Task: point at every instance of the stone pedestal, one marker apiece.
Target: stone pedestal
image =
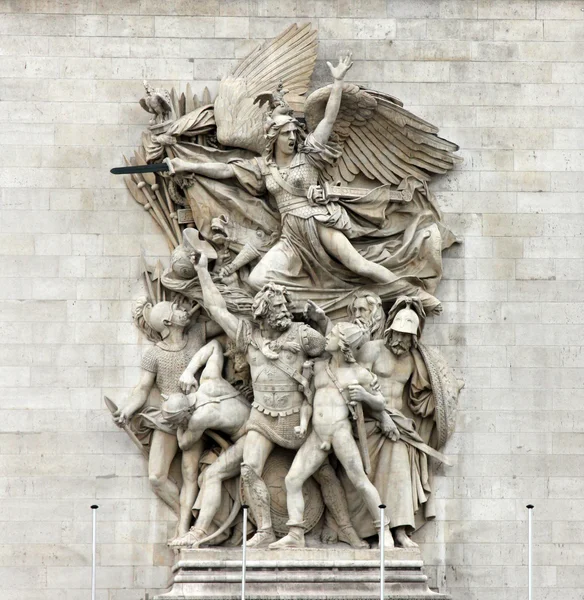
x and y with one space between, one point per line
321 573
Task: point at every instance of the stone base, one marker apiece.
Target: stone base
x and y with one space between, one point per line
315 573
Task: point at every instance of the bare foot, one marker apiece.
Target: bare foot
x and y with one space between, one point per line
402 539
388 539
292 540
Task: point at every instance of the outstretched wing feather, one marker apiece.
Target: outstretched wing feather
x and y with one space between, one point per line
263 50
290 59
380 138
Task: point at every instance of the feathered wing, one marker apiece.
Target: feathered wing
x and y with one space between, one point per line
380 138
289 59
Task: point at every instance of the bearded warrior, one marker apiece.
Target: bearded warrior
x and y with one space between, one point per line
276 349
420 394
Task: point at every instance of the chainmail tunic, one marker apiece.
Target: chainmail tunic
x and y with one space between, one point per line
169 365
299 174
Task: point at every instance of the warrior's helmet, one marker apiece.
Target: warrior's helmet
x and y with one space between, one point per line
406 321
158 316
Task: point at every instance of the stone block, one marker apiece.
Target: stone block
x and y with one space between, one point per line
130 25
93 25
184 27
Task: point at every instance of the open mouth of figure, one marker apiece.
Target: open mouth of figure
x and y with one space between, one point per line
219 235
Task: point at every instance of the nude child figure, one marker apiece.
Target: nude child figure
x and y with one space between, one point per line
336 382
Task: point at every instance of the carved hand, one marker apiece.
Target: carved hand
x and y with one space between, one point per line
183 438
293 347
341 69
389 429
180 166
199 260
313 312
300 431
188 382
122 417
357 393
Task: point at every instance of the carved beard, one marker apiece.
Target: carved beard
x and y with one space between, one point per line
280 322
363 322
399 347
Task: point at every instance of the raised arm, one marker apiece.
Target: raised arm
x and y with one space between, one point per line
324 129
213 300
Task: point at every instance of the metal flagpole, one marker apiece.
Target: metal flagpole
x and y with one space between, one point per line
529 551
382 551
244 543
94 508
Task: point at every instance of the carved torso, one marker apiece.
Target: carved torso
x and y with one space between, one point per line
300 174
168 364
275 391
393 371
330 406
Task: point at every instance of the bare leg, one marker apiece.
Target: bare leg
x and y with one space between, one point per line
336 502
307 460
190 486
337 244
347 452
225 467
256 450
163 447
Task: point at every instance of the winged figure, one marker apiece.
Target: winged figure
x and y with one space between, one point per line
330 191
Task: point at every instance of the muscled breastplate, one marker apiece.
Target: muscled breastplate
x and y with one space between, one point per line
276 392
299 175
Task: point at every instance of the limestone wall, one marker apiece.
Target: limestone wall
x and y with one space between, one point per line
502 78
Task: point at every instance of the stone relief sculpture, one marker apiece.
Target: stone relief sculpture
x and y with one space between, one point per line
336 382
295 224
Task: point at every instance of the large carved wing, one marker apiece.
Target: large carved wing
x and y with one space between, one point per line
380 138
289 59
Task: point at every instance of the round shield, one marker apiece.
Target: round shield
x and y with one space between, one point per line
275 470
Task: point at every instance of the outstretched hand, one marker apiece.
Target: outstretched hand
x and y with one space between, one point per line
341 69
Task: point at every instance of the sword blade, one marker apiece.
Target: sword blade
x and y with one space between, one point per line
153 168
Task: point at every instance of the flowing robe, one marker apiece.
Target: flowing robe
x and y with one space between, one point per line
401 473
